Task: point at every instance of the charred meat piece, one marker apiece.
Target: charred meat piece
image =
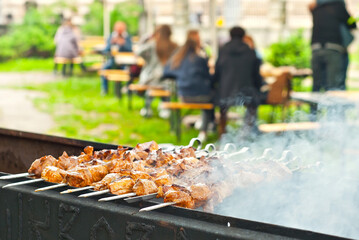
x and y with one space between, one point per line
200 193
181 198
104 183
84 176
79 178
187 152
120 164
147 147
144 187
163 158
98 172
122 186
88 150
40 164
65 162
135 175
53 174
163 180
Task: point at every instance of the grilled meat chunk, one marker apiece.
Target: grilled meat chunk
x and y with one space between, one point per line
181 198
85 176
53 174
135 175
200 193
122 186
163 180
65 162
104 183
144 187
40 164
147 147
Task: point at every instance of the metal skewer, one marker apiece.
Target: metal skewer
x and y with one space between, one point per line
95 193
140 198
77 189
106 199
23 182
161 205
51 187
19 175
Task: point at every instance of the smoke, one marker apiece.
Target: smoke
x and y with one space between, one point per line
322 196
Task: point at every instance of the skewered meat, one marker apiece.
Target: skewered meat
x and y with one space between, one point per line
84 176
40 164
181 198
53 174
88 150
135 175
122 186
144 187
65 162
163 180
147 147
104 183
200 193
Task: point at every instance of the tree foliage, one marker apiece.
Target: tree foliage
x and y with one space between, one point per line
34 37
128 12
293 51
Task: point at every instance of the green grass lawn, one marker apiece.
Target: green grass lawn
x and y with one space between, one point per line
27 64
81 112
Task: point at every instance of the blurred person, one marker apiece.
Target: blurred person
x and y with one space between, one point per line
120 40
190 68
330 58
237 78
156 51
66 45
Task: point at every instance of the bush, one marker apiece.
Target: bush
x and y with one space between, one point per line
127 12
293 51
32 38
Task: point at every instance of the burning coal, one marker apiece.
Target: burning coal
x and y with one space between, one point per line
321 196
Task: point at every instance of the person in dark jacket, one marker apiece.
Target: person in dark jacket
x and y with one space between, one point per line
237 78
189 67
120 40
328 51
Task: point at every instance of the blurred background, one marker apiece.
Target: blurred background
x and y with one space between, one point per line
35 98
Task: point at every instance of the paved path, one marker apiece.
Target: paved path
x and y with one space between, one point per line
16 106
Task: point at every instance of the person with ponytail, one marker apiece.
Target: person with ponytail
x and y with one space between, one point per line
189 65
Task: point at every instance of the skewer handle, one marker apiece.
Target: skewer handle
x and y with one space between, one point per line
12 176
51 187
95 193
76 190
161 205
106 199
23 182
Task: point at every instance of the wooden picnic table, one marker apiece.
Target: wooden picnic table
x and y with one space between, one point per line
328 99
335 103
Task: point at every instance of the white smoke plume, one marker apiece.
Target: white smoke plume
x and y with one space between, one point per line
323 197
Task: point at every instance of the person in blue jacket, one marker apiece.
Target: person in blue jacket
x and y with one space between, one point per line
189 66
119 39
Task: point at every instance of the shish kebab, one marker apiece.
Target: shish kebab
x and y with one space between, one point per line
119 165
145 183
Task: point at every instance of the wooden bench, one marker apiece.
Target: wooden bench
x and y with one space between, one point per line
287 127
64 61
118 76
154 91
176 107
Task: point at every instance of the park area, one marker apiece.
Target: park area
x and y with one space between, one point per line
179 119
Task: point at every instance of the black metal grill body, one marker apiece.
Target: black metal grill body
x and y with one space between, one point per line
25 214
19 149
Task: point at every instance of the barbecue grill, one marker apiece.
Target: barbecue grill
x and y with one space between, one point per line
26 214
